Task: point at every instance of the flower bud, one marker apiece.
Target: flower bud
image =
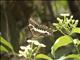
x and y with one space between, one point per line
59 20
73 21
71 16
76 22
55 24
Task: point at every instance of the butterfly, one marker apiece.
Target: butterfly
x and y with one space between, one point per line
39 29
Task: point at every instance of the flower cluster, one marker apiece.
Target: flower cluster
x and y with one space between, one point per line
25 51
66 25
36 43
29 50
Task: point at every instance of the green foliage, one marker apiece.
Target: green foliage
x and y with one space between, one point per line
3 49
43 56
60 6
67 27
61 41
70 57
76 30
4 45
73 56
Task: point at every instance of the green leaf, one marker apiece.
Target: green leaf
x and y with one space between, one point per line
73 56
62 58
3 49
76 30
61 41
5 42
43 56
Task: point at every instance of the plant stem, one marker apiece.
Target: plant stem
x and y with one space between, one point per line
61 32
76 47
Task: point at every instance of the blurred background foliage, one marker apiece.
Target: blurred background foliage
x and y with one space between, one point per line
15 17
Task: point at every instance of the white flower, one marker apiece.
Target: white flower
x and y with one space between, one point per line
76 21
28 47
23 47
71 16
55 24
36 43
42 45
19 55
75 41
33 41
60 20
22 53
25 51
67 14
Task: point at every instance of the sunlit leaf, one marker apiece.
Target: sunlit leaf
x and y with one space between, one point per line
6 43
73 56
76 30
61 41
42 56
3 49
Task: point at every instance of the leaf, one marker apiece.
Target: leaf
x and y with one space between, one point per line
76 30
61 41
74 56
5 42
62 58
3 49
43 56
